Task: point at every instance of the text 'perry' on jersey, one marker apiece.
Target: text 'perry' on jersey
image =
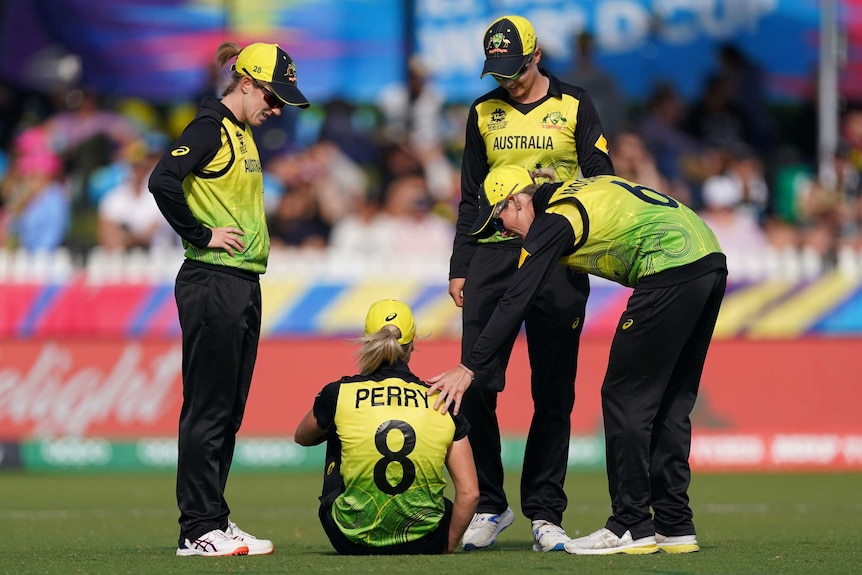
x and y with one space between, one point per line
391 395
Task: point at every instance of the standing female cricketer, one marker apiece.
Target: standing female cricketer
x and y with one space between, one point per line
209 187
638 237
386 449
533 120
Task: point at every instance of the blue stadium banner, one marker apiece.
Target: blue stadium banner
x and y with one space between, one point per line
161 50
639 42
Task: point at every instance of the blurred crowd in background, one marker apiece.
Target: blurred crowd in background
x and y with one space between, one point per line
382 178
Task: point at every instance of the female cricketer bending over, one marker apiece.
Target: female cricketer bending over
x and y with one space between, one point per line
638 237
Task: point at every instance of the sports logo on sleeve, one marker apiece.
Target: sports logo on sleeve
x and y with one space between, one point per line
602 144
181 151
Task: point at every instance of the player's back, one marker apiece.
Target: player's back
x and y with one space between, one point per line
393 450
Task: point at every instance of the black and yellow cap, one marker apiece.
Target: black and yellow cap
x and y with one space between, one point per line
499 184
270 63
509 43
391 312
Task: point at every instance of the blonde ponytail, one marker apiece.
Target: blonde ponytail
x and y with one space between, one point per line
227 79
382 348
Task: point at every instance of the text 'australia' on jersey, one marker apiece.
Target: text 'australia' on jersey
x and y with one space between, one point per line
625 231
561 133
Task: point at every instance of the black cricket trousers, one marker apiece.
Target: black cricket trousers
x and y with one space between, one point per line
220 318
650 388
553 328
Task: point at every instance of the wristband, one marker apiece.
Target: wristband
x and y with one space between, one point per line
467 371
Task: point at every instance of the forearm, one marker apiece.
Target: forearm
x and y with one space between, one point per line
462 468
463 509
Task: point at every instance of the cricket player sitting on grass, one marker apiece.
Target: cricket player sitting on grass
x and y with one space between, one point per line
386 449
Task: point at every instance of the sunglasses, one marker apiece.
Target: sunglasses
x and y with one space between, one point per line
269 97
524 67
496 220
520 72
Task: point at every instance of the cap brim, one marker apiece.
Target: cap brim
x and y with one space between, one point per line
486 214
503 66
289 94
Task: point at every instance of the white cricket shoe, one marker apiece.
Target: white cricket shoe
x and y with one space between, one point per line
213 544
604 542
485 527
548 536
255 546
677 543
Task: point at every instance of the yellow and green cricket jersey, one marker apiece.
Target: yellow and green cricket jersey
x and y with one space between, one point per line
389 445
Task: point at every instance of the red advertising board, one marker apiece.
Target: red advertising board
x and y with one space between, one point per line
762 403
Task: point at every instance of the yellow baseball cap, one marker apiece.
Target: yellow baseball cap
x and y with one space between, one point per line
271 64
499 184
391 312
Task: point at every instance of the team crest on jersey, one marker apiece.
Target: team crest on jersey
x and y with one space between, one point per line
242 147
498 44
554 121
498 120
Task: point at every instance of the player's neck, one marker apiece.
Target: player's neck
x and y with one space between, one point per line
538 90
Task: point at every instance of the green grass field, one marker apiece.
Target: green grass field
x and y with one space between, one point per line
115 524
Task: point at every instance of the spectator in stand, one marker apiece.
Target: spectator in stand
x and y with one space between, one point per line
739 202
405 226
634 162
747 84
87 136
341 127
413 117
791 181
35 196
746 168
338 179
413 229
851 136
397 160
357 236
849 172
680 158
830 211
412 112
297 221
586 74
128 215
736 229
716 120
